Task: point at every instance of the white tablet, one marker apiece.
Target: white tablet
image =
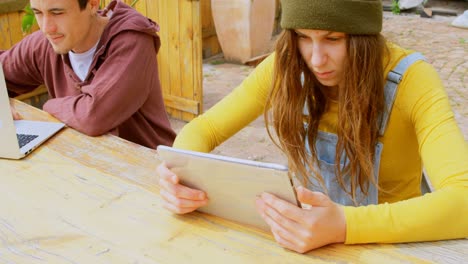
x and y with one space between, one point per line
231 184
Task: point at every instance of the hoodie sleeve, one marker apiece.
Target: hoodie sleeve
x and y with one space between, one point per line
120 87
20 63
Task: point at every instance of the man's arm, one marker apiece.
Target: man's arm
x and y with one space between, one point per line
120 87
20 63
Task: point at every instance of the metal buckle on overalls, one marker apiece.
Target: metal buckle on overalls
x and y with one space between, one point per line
394 77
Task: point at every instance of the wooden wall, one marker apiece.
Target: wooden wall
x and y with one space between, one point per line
180 56
211 45
10 29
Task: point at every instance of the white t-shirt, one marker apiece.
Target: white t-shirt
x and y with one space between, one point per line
81 62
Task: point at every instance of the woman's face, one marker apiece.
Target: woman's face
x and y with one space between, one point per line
325 53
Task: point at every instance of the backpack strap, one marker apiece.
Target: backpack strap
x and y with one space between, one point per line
394 78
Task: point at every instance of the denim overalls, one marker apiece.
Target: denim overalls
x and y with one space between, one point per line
326 146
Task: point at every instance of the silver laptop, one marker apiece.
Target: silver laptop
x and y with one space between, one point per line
18 138
231 184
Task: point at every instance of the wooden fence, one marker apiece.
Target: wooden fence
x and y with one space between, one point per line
180 61
210 41
10 29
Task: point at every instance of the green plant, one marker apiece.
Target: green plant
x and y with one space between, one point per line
217 62
395 7
29 19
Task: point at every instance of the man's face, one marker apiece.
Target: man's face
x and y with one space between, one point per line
64 24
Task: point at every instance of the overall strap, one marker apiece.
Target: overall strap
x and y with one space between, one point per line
393 80
305 109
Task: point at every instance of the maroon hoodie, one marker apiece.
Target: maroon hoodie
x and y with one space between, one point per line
121 93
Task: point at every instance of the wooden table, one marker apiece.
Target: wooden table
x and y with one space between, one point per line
79 199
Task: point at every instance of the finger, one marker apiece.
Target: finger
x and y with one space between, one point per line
288 228
15 114
283 242
177 210
166 174
284 208
182 203
283 236
181 191
312 198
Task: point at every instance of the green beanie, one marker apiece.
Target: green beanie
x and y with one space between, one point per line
348 16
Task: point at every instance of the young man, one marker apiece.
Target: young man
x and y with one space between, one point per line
100 69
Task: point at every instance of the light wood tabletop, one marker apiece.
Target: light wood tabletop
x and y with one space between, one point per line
79 199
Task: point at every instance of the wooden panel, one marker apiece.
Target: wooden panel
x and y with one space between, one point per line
210 40
10 26
14 19
185 105
5 37
179 59
173 45
197 56
186 43
211 46
157 9
140 5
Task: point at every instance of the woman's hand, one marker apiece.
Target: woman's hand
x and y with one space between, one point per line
177 198
300 229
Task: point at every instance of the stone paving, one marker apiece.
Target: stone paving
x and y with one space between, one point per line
444 46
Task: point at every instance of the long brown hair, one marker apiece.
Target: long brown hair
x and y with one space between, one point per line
360 103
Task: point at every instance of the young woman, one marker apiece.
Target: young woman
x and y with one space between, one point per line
357 117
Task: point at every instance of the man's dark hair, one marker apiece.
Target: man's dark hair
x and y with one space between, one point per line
82 4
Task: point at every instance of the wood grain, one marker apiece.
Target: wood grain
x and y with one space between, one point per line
79 199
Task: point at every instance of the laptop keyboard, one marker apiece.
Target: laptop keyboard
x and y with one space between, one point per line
25 139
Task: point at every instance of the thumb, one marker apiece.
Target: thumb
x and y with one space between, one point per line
166 174
312 198
16 116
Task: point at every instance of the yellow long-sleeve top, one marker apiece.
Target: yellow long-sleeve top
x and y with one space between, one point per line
421 131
